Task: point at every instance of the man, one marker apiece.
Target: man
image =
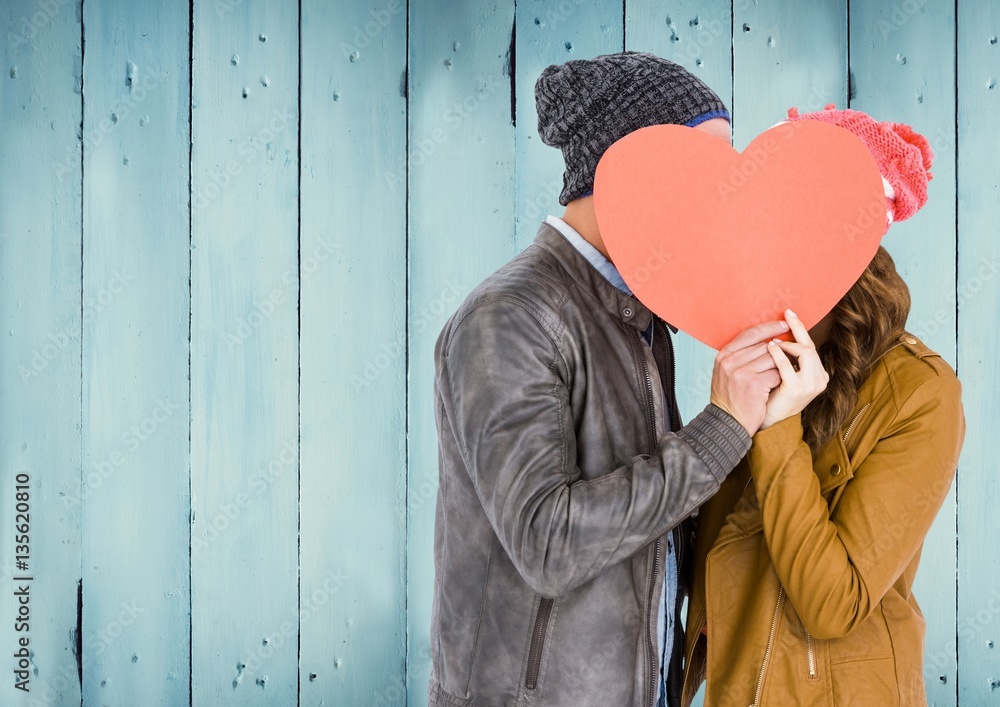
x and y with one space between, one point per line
565 474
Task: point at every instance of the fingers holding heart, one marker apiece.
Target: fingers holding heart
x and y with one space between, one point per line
798 329
802 376
785 368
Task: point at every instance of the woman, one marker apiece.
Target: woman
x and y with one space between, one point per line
805 558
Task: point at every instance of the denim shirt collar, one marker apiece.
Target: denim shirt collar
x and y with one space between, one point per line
593 256
590 252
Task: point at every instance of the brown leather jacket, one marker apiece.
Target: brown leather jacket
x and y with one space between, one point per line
804 565
558 484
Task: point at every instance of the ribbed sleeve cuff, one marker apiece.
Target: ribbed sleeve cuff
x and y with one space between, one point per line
718 439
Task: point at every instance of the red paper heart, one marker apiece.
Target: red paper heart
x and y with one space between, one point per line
714 241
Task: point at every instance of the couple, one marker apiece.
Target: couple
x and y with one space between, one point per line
575 511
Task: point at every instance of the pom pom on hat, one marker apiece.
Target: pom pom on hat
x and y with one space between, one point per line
903 156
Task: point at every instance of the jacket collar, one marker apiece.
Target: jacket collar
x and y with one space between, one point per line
628 308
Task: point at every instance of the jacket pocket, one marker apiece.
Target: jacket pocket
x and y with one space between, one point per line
869 641
870 682
537 642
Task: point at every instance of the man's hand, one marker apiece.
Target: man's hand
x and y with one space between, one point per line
745 373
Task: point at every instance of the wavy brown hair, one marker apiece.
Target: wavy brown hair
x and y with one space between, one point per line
866 323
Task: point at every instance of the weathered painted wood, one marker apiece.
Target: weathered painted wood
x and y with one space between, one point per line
902 69
461 228
135 352
353 339
244 354
96 333
698 36
978 301
40 317
550 33
786 54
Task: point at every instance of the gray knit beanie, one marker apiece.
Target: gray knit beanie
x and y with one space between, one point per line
585 105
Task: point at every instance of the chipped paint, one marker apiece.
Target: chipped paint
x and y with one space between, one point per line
244 237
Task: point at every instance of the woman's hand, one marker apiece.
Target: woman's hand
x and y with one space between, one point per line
798 386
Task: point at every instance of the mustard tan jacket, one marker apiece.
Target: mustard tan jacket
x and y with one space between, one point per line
803 564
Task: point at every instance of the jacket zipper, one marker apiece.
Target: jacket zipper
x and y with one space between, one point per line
537 636
675 424
810 641
680 549
545 603
770 645
687 662
652 645
650 408
850 427
674 412
810 653
651 425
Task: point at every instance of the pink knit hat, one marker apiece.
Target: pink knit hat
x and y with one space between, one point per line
903 156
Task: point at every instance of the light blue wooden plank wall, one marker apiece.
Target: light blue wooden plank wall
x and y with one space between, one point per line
40 349
698 36
245 354
135 353
238 389
550 33
353 340
903 69
978 301
460 228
